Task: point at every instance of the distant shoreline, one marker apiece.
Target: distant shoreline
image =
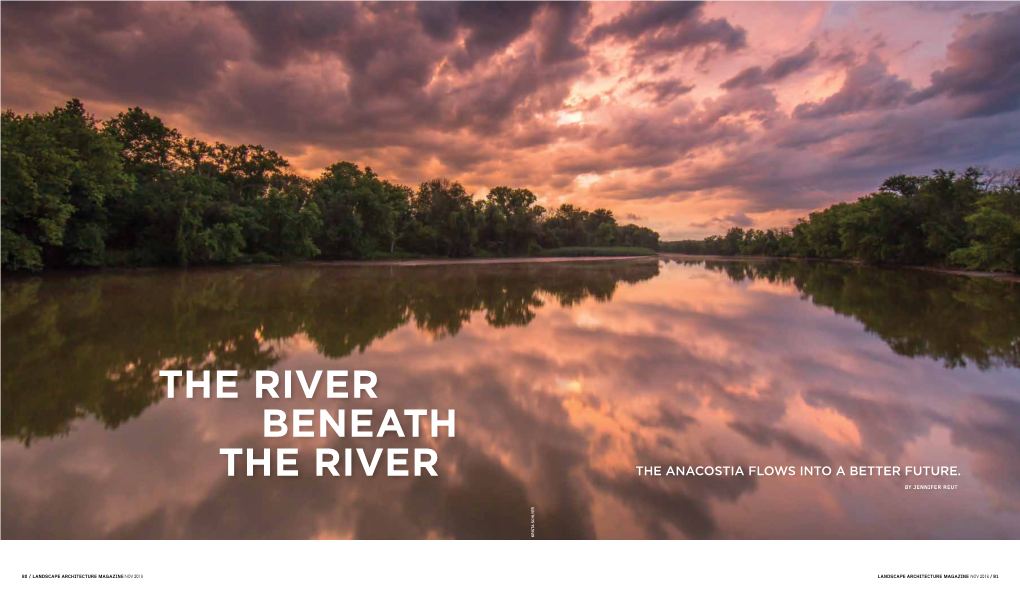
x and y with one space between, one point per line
401 262
1008 277
412 262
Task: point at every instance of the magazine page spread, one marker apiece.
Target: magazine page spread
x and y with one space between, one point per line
725 293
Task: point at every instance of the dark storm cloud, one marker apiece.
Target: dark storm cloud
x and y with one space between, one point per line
381 47
868 86
983 75
566 22
388 54
656 28
664 91
491 26
126 52
395 55
288 31
358 32
439 19
645 17
780 69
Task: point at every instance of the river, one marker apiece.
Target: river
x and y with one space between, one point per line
564 376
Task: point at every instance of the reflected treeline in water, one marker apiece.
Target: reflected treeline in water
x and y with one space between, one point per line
949 318
92 345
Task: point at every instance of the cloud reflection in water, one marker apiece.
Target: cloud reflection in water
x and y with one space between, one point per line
564 377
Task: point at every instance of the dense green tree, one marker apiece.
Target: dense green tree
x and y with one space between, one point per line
566 226
284 225
970 220
246 170
600 225
733 241
945 200
357 210
635 235
448 217
994 232
511 221
883 228
59 172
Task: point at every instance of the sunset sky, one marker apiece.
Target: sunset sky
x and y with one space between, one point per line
684 117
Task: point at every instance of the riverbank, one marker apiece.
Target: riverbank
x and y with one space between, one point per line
415 262
468 261
396 262
1008 277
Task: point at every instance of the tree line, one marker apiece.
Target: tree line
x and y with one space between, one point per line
131 191
969 220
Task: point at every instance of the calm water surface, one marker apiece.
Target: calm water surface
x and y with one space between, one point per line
564 376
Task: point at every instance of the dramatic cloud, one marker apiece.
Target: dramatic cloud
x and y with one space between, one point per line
668 27
780 69
287 32
489 27
682 114
665 90
869 86
984 68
